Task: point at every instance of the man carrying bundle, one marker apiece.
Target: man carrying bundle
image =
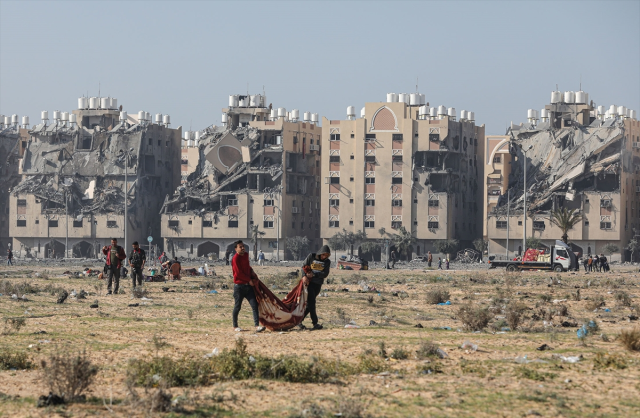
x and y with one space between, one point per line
316 268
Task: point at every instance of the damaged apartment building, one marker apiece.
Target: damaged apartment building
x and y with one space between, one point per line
13 140
403 164
73 180
578 156
256 177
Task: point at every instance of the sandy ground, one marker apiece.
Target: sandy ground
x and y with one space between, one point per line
487 382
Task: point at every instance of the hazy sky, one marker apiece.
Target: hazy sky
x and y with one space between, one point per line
184 58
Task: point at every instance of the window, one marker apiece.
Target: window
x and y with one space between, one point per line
519 223
233 223
268 202
335 137
151 141
267 224
370 180
396 180
295 139
353 157
434 203
605 225
207 224
77 224
586 223
369 224
173 223
350 200
396 224
369 202
397 158
112 224
190 222
293 225
396 137
351 178
370 158
434 137
415 200
496 159
37 221
396 203
538 225
334 159
353 136
22 222
334 202
159 142
53 223
605 203
334 224
501 224
301 225
350 222
370 137
415 223
335 180
22 202
166 144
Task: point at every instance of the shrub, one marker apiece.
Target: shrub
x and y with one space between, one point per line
399 353
630 339
427 349
437 296
371 364
186 371
140 292
342 318
13 325
382 351
562 310
545 298
18 360
606 360
532 374
622 298
68 374
474 318
594 303
514 313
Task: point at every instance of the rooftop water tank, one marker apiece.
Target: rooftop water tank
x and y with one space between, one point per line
197 137
93 103
141 116
632 114
556 97
7 121
622 111
282 112
83 103
433 112
166 119
158 118
351 112
403 98
123 116
244 101
64 116
306 116
114 103
423 99
273 114
314 117
295 114
422 111
73 118
25 121
105 103
186 135
362 113
613 110
601 110
233 100
44 115
451 112
569 97
414 99
147 117
471 116
530 114
56 115
581 97
190 143
442 111
392 97
225 117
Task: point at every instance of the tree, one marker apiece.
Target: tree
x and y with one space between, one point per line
404 241
532 242
298 246
633 246
610 248
447 247
565 219
346 240
255 233
481 245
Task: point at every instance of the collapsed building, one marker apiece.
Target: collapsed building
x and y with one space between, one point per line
578 156
403 164
73 185
256 179
13 140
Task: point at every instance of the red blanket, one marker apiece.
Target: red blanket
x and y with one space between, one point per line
276 314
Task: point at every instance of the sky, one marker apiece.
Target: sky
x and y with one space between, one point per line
184 58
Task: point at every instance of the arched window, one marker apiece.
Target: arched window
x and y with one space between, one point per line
191 249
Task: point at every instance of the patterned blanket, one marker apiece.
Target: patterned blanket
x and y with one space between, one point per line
276 314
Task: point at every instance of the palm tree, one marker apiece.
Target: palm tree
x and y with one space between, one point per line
404 241
255 234
565 219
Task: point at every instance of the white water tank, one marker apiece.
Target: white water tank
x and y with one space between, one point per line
451 112
197 137
233 100
403 98
581 97
423 99
556 97
471 116
114 103
362 113
158 118
64 116
569 97
44 115
433 112
244 101
422 111
442 111
56 115
93 103
166 119
392 97
622 111
306 116
7 121
25 121
414 99
295 114
351 112
73 118
225 117
273 115
632 114
314 117
600 110
104 103
141 116
147 117
123 116
83 103
282 112
186 135
531 114
613 110
190 143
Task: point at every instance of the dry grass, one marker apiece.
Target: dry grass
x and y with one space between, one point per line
438 296
474 317
630 339
68 374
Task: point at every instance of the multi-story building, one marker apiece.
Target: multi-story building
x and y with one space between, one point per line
403 164
578 156
256 178
13 140
73 180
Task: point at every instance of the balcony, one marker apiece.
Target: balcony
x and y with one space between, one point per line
494 181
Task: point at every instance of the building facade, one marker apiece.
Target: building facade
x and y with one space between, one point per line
403 165
73 181
13 141
579 156
256 179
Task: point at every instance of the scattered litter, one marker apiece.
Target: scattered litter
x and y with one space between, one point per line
568 324
82 294
133 305
345 290
445 328
445 303
418 326
215 352
44 341
468 345
14 296
145 298
544 347
165 289
582 332
372 323
62 296
351 326
252 359
607 310
215 292
559 300
441 354
156 378
505 329
569 359
525 360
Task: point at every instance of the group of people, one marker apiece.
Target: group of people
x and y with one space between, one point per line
595 263
114 265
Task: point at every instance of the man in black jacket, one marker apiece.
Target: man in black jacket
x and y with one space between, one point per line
137 260
316 267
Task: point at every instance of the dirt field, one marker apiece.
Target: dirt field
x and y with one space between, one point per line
504 376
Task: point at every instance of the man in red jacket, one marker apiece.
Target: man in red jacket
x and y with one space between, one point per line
243 286
115 254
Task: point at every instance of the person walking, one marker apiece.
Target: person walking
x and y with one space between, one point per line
590 263
261 258
115 254
137 260
393 259
316 268
429 259
447 263
9 257
585 262
174 269
604 263
439 263
596 263
243 286
226 257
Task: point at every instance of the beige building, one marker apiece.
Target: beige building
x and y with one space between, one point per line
259 171
73 181
581 156
403 164
13 140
